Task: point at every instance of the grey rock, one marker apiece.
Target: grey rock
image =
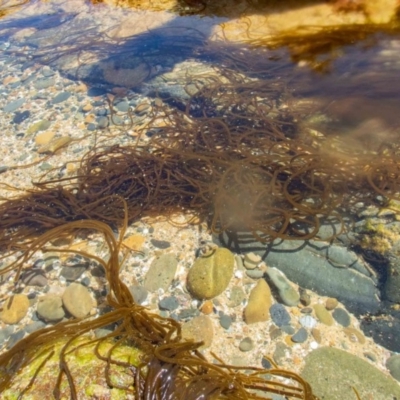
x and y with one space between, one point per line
61 97
281 353
393 365
161 273
13 105
34 326
329 270
288 329
225 321
5 333
391 290
34 277
72 273
77 300
332 373
50 308
300 336
246 344
14 338
102 122
254 273
279 315
169 303
122 106
139 293
161 244
287 293
44 83
341 317
46 71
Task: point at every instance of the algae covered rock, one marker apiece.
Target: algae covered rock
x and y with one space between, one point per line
333 374
210 274
87 370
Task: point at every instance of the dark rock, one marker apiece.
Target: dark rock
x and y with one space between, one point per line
21 116
279 315
34 277
72 273
384 332
300 336
160 244
328 269
96 91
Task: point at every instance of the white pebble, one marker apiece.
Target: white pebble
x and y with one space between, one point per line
308 322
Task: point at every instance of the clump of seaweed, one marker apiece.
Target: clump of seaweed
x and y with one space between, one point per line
231 157
145 356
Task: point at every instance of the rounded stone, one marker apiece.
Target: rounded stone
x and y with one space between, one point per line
341 317
331 303
50 308
260 299
307 321
161 273
287 293
323 314
393 365
300 336
14 309
251 260
210 275
77 300
246 344
199 329
332 373
279 315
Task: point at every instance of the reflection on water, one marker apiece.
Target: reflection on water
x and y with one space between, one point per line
288 140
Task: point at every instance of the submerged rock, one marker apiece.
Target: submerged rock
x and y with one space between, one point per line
333 374
210 275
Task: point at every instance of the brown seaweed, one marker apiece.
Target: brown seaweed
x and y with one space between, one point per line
170 367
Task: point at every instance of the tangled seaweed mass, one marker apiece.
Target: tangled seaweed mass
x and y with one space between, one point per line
233 157
226 158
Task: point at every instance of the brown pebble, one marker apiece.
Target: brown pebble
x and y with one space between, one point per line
199 329
331 303
87 107
44 138
134 242
354 335
14 309
306 310
323 314
260 301
316 333
54 145
90 118
207 307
